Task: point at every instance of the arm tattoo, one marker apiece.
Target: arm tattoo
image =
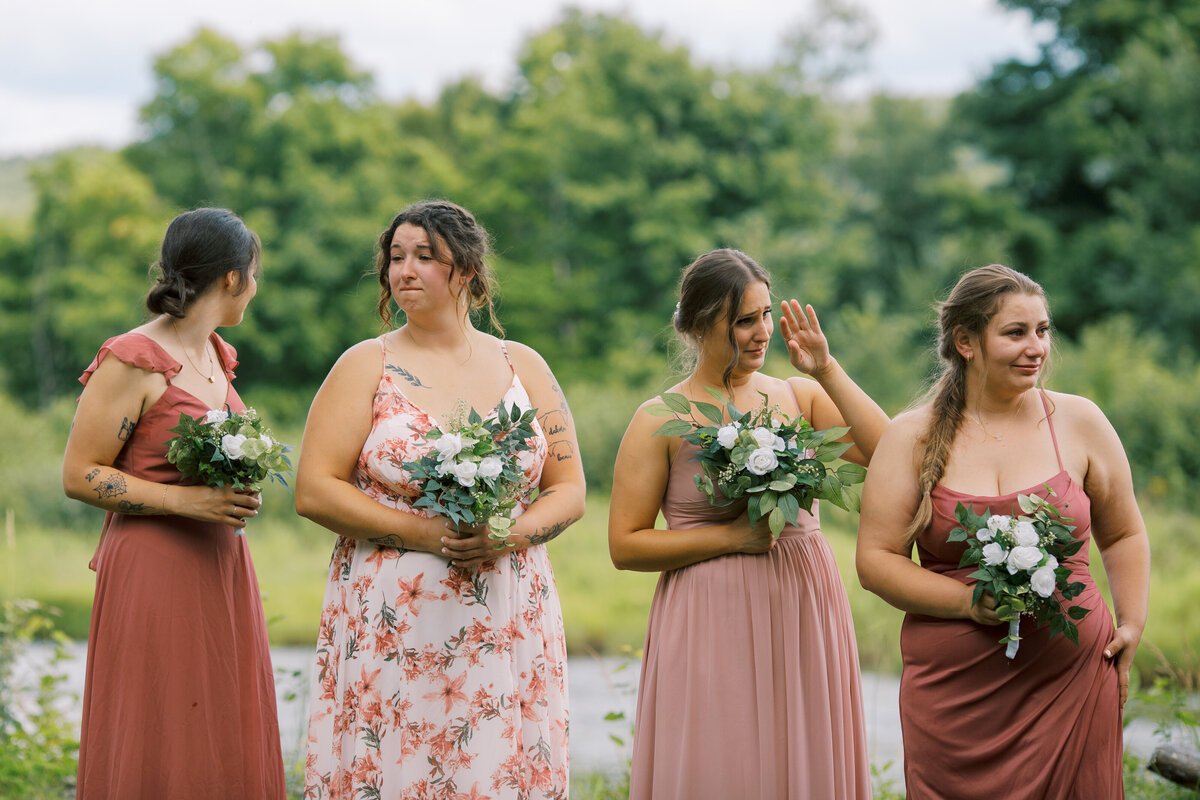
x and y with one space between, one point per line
126 507
391 540
91 475
549 532
126 429
555 425
110 486
413 380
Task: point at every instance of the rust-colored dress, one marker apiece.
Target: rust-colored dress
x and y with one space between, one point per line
179 697
1045 725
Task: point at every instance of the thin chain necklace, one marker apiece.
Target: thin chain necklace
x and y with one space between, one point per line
212 364
998 437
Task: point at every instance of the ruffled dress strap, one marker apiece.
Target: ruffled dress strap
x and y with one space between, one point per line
141 351
225 352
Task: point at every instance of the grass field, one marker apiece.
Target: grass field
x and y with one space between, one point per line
604 609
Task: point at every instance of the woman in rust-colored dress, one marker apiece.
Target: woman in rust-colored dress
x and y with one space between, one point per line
179 699
1045 725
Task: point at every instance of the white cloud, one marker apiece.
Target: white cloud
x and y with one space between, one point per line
76 71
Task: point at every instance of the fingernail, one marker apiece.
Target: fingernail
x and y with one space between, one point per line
445 552
1107 654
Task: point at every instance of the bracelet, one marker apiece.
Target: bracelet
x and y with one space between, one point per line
164 499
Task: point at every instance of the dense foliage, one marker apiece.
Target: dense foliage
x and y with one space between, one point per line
612 158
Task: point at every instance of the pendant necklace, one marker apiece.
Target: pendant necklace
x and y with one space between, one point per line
212 364
998 437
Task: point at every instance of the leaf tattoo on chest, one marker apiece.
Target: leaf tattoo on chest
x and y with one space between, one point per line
412 380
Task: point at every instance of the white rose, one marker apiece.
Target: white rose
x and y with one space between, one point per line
779 445
448 446
491 466
998 523
1025 534
464 472
762 461
231 445
984 534
1042 581
217 416
994 554
763 437
1023 558
727 436
1051 562
266 440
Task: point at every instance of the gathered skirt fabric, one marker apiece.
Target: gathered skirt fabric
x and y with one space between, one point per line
750 684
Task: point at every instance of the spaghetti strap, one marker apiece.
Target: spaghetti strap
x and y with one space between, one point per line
511 366
1050 421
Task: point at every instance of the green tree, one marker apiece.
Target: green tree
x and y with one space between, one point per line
1100 135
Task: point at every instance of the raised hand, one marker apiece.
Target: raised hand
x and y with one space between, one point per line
806 344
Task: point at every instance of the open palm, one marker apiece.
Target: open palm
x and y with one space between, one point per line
807 346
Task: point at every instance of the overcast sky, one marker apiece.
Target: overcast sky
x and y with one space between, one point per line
76 71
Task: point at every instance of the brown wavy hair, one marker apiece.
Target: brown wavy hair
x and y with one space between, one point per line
969 308
712 287
199 247
454 228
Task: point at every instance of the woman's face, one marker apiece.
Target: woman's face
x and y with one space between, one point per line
249 288
417 280
1016 344
752 329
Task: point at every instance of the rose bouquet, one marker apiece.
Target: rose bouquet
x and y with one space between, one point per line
1019 561
472 475
228 448
780 465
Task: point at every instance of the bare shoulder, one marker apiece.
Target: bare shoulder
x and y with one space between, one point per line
1079 419
362 363
523 355
909 427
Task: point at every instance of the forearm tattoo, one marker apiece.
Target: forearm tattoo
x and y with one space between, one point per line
391 540
126 507
126 429
413 380
549 532
91 475
111 485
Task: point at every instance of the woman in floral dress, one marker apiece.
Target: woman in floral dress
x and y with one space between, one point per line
441 663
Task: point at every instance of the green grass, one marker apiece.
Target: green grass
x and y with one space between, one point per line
604 609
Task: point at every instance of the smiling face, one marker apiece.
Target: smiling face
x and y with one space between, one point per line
417 280
751 328
1016 345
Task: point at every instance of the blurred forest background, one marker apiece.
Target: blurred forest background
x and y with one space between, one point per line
614 159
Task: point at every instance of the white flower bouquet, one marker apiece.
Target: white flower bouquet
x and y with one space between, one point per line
780 465
473 474
1020 562
227 448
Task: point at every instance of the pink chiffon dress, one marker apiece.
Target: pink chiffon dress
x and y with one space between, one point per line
750 683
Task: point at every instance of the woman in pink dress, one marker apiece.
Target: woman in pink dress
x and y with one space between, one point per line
750 685
441 663
179 698
1047 723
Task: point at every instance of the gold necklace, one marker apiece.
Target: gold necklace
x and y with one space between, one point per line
998 437
212 364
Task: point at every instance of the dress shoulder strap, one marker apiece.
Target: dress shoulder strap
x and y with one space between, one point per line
1050 422
138 350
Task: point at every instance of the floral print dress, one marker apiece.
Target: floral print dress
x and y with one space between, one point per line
431 681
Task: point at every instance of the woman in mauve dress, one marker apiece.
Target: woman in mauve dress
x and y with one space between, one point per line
1045 725
750 684
179 697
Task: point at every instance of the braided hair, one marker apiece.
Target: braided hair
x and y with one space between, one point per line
972 303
